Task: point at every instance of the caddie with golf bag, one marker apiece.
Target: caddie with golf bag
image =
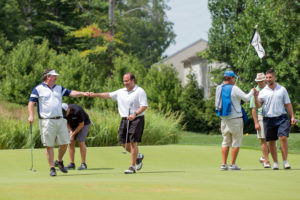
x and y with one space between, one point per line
53 129
132 102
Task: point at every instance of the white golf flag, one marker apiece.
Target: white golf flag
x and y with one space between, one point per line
256 43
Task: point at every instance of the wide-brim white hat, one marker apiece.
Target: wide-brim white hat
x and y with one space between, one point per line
260 77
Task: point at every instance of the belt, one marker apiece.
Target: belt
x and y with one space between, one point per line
58 117
125 118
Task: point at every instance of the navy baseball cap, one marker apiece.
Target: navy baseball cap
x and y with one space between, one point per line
230 73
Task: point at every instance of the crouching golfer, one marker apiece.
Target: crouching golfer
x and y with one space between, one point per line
132 102
78 123
53 129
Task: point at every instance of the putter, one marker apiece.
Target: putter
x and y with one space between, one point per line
33 170
124 150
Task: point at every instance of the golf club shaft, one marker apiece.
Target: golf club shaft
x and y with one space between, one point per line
31 146
127 129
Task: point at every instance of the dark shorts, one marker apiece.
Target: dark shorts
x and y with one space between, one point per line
135 130
81 136
276 127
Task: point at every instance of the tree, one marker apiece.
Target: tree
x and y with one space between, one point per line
145 28
192 105
12 22
278 25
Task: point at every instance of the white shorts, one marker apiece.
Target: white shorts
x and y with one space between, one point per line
261 133
232 132
54 131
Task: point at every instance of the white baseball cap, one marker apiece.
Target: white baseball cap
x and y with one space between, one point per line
52 73
64 106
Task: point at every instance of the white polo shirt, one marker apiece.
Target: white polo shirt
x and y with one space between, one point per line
274 100
129 102
48 99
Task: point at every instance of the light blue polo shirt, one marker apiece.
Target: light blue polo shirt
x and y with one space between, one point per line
48 99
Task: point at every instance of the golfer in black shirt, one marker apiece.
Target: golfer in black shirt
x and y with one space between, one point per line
78 123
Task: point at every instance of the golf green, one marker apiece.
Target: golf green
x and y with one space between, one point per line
169 172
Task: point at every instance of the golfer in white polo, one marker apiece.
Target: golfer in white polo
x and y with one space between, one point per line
132 103
53 127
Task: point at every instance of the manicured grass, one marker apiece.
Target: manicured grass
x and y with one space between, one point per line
169 172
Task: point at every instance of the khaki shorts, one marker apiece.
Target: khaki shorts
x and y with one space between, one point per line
232 132
54 131
261 133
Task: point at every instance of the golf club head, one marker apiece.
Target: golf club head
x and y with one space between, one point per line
33 170
124 152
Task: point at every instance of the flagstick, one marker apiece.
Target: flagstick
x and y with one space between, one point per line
248 47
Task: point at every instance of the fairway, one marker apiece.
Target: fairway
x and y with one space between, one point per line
169 172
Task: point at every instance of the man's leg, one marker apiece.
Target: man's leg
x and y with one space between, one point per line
50 156
234 154
82 147
72 151
265 150
284 147
134 152
61 151
225 151
127 146
273 150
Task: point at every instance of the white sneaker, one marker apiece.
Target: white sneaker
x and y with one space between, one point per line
275 166
234 167
267 165
130 170
261 160
224 167
286 165
139 161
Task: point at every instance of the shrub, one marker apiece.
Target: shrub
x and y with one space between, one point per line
23 70
163 88
15 133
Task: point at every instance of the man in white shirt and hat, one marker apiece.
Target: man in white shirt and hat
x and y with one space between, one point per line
258 121
53 127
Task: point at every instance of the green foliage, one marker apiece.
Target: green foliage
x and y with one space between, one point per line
145 28
77 73
5 46
27 61
15 133
23 70
161 128
163 88
278 25
12 20
192 105
114 79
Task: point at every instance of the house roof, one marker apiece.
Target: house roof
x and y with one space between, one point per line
186 48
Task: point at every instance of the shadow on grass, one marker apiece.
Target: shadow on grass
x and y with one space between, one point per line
83 174
270 169
161 172
100 168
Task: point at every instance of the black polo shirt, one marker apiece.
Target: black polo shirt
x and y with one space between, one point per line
76 116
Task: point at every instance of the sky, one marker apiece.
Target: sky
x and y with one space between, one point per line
191 20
